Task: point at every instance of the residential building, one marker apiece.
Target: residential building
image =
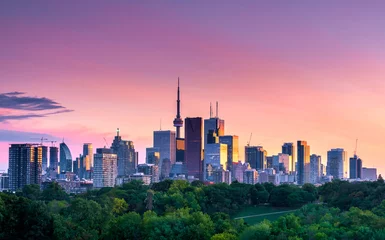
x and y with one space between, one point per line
369 174
105 168
127 156
289 148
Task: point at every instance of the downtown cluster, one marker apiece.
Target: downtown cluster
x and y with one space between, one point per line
205 153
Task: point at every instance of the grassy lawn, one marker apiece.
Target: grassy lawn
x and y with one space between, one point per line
261 210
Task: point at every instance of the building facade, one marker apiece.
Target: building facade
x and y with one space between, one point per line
256 157
193 147
303 162
315 168
215 158
250 176
289 148
25 165
165 141
127 157
105 168
65 158
232 143
337 164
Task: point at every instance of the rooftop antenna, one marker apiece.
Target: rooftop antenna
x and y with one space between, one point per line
117 132
160 125
211 111
355 150
217 109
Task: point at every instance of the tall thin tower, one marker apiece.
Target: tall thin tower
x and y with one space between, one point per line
178 122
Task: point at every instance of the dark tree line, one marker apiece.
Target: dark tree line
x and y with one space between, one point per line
180 210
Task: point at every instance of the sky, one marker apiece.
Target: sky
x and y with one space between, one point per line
281 70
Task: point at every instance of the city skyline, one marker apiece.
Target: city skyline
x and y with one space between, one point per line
316 87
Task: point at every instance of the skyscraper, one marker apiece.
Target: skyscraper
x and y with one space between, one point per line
165 142
44 164
65 158
337 165
126 154
105 168
25 161
180 148
359 168
315 168
288 148
215 124
232 149
152 156
53 161
215 158
88 154
355 167
256 157
303 162
193 147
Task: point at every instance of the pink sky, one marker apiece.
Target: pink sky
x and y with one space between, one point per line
284 72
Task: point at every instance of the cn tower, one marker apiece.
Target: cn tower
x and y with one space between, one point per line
178 122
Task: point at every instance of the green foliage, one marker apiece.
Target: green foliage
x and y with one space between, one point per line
179 210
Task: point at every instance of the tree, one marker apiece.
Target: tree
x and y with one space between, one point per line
119 206
380 179
54 191
224 236
259 231
128 226
31 191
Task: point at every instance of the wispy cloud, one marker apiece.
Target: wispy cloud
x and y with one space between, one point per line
19 136
38 105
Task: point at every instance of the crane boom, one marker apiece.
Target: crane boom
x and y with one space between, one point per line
355 150
248 143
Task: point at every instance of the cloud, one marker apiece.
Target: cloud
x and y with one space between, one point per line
19 136
18 101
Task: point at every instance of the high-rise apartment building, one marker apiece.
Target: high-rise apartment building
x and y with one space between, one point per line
65 158
165 141
337 165
359 168
315 168
256 157
127 157
105 168
193 147
288 148
25 163
303 162
232 143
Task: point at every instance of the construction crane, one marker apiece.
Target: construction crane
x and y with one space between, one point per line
355 150
105 142
41 140
248 143
52 143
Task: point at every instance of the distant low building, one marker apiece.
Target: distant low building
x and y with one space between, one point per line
369 174
250 176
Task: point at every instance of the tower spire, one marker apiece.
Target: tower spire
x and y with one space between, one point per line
211 111
217 110
178 122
